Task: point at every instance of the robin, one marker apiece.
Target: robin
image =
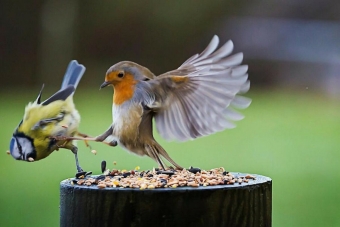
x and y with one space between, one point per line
195 100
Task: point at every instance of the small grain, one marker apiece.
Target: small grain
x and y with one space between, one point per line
158 178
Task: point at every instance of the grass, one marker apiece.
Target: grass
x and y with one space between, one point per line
292 137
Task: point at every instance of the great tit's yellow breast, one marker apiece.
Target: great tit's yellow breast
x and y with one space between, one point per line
42 148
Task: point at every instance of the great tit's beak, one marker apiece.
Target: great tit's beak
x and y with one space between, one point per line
104 84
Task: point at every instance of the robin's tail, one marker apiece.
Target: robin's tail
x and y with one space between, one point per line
156 152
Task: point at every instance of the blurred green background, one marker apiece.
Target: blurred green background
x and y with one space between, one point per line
291 130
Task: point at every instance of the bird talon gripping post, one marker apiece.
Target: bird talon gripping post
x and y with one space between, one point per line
197 99
39 132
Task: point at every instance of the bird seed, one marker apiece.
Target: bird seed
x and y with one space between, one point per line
157 178
103 166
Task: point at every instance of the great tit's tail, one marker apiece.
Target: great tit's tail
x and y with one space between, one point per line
73 74
71 79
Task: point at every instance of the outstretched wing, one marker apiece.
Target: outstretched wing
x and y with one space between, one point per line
198 98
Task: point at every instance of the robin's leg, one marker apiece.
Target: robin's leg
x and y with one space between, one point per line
152 152
106 134
85 137
160 152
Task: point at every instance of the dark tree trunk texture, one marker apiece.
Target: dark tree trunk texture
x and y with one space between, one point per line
246 204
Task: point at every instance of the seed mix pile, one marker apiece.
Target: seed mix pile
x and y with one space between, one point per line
158 178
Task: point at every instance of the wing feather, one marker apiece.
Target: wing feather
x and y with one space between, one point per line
199 97
60 95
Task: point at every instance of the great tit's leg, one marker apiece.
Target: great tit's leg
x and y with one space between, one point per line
43 122
74 150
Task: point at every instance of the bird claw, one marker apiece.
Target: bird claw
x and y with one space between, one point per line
82 174
113 143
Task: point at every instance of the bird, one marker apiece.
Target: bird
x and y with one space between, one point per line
197 99
34 137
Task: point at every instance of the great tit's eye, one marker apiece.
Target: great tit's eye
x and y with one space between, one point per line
120 75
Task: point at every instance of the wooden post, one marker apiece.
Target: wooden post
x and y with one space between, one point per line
246 204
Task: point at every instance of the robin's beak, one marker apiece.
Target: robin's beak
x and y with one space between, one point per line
104 84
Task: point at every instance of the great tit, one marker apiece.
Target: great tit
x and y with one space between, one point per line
34 138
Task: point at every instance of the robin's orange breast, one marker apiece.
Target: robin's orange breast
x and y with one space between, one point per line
124 90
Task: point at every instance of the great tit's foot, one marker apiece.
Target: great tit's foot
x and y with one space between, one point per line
61 145
82 174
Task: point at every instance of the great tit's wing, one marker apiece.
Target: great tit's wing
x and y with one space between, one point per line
60 95
38 100
51 110
73 74
199 97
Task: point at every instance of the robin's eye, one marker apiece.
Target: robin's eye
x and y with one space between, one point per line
120 75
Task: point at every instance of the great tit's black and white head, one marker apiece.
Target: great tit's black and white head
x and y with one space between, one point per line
21 148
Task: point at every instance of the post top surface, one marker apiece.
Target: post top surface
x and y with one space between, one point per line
259 179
